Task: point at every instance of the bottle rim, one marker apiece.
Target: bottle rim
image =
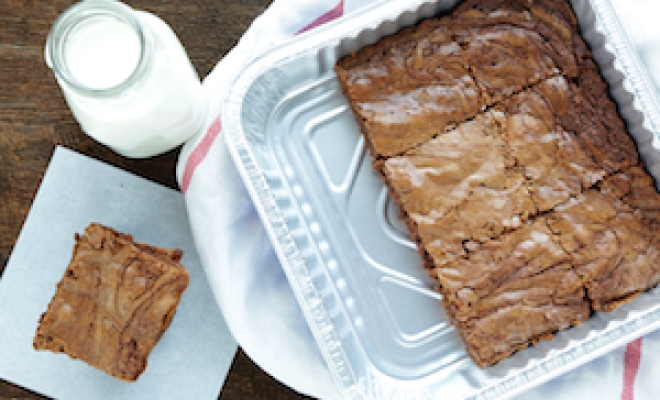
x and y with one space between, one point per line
72 17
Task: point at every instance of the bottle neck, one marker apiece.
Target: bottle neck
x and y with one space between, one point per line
98 49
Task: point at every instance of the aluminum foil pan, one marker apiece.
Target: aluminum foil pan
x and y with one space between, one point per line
358 278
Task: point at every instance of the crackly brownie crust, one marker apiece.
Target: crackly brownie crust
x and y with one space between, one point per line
556 161
114 302
422 81
457 187
524 280
395 93
611 234
497 138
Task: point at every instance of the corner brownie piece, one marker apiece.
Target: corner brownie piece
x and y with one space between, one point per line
507 293
611 234
114 302
409 87
587 110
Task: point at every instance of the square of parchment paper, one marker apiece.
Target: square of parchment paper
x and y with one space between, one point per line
193 356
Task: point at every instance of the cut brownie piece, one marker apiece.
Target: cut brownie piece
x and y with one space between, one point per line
589 112
614 248
444 172
507 330
553 22
409 87
555 163
561 142
458 187
507 293
487 267
636 188
489 51
116 299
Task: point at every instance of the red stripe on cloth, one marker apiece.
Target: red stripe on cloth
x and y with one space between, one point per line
199 153
335 13
631 361
202 149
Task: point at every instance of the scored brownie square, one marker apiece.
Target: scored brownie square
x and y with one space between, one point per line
461 186
549 25
555 163
507 293
486 267
615 247
115 300
409 87
592 115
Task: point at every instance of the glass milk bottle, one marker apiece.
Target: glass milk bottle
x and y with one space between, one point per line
126 77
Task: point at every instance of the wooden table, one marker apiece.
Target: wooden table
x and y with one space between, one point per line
34 119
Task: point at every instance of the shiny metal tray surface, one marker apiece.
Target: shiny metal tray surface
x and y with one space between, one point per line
356 274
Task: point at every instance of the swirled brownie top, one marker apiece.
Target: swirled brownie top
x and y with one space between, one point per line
113 303
497 138
420 82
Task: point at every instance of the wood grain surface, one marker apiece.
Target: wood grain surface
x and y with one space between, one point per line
34 119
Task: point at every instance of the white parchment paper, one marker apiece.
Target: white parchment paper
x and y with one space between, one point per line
193 356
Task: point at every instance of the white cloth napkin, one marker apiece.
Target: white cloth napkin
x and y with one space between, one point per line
247 279
244 273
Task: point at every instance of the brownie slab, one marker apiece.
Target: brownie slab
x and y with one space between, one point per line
498 139
114 302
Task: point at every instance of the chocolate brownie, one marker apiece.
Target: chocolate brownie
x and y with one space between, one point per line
611 235
420 82
114 302
554 161
459 186
592 115
497 138
399 97
512 291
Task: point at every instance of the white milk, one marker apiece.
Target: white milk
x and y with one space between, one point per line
138 95
102 54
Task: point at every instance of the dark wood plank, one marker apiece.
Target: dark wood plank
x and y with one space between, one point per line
34 118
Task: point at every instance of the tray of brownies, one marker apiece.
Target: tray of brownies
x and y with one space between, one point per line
462 194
